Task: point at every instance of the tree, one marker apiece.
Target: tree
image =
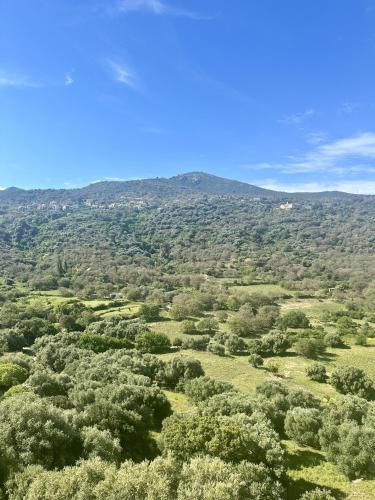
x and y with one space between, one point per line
149 312
294 319
212 479
207 325
317 372
352 380
152 342
235 345
256 360
188 327
303 425
10 375
227 404
232 439
201 388
333 340
216 348
34 432
317 494
310 348
179 370
346 326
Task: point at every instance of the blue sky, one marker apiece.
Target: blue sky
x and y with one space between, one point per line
275 93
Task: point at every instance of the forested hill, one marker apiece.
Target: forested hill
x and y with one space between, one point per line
151 191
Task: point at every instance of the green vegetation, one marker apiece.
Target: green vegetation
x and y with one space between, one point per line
199 347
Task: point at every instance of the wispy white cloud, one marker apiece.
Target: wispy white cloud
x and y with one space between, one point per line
352 154
348 107
297 118
68 79
16 80
346 186
315 137
157 7
123 74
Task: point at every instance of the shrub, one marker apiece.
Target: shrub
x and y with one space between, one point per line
317 494
201 388
352 380
207 325
294 319
149 312
216 348
360 340
256 360
152 342
101 343
10 375
179 370
310 348
188 327
317 372
197 343
303 425
235 345
333 340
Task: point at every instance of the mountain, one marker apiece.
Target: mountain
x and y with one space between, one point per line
154 190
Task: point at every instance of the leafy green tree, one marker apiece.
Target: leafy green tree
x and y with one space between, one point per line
201 388
100 443
232 439
235 345
175 372
346 326
303 425
310 348
188 327
149 312
294 319
207 326
256 360
227 404
352 380
34 432
317 494
101 343
152 342
10 375
317 372
211 479
216 348
333 340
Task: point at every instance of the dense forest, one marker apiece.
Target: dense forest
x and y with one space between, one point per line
186 338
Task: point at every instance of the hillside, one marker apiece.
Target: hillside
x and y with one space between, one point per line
154 191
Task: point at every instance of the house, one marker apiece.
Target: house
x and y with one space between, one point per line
286 206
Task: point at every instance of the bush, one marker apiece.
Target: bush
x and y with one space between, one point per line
309 348
317 494
232 439
235 345
333 340
188 327
197 343
352 380
178 370
101 343
216 348
255 360
294 319
227 404
360 340
149 312
317 372
207 326
201 388
303 425
152 342
10 375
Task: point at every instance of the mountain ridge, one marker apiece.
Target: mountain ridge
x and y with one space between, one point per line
193 183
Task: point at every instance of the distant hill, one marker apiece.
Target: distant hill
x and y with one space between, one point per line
193 183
